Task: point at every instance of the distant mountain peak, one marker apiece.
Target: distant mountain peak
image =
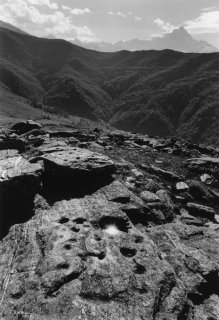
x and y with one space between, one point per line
179 40
181 30
180 33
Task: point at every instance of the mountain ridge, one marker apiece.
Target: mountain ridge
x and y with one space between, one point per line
156 92
179 39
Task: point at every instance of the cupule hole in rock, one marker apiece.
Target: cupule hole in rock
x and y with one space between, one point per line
63 220
114 223
63 265
101 256
139 269
79 220
75 229
128 252
67 246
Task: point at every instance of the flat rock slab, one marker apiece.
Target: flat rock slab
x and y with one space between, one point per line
203 161
200 210
166 174
77 160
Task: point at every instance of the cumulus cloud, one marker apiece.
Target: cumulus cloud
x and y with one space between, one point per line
118 13
51 5
22 14
65 7
207 22
165 26
125 15
138 18
208 9
76 11
121 14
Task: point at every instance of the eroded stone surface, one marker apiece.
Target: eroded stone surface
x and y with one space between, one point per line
75 160
107 252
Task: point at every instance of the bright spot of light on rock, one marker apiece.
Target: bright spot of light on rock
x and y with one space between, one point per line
112 230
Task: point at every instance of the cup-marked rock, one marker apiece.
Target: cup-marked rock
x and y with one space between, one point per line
76 160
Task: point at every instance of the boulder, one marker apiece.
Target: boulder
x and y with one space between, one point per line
73 161
200 210
74 172
199 191
25 126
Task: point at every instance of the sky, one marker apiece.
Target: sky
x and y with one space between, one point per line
113 20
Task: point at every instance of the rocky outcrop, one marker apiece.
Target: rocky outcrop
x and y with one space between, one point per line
101 235
19 183
25 126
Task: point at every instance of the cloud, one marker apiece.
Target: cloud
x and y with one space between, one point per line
165 26
138 18
125 15
76 11
65 7
118 13
51 5
207 22
22 14
208 9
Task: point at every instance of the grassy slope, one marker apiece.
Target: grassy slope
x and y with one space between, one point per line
155 92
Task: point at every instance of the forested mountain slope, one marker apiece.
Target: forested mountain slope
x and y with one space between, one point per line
154 92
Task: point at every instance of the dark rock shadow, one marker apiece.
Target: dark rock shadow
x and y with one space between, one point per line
14 210
57 187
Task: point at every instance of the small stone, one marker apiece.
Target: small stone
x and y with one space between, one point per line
138 174
182 186
216 218
206 178
130 180
148 196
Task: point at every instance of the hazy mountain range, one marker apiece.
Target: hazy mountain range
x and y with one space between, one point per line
179 40
155 92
